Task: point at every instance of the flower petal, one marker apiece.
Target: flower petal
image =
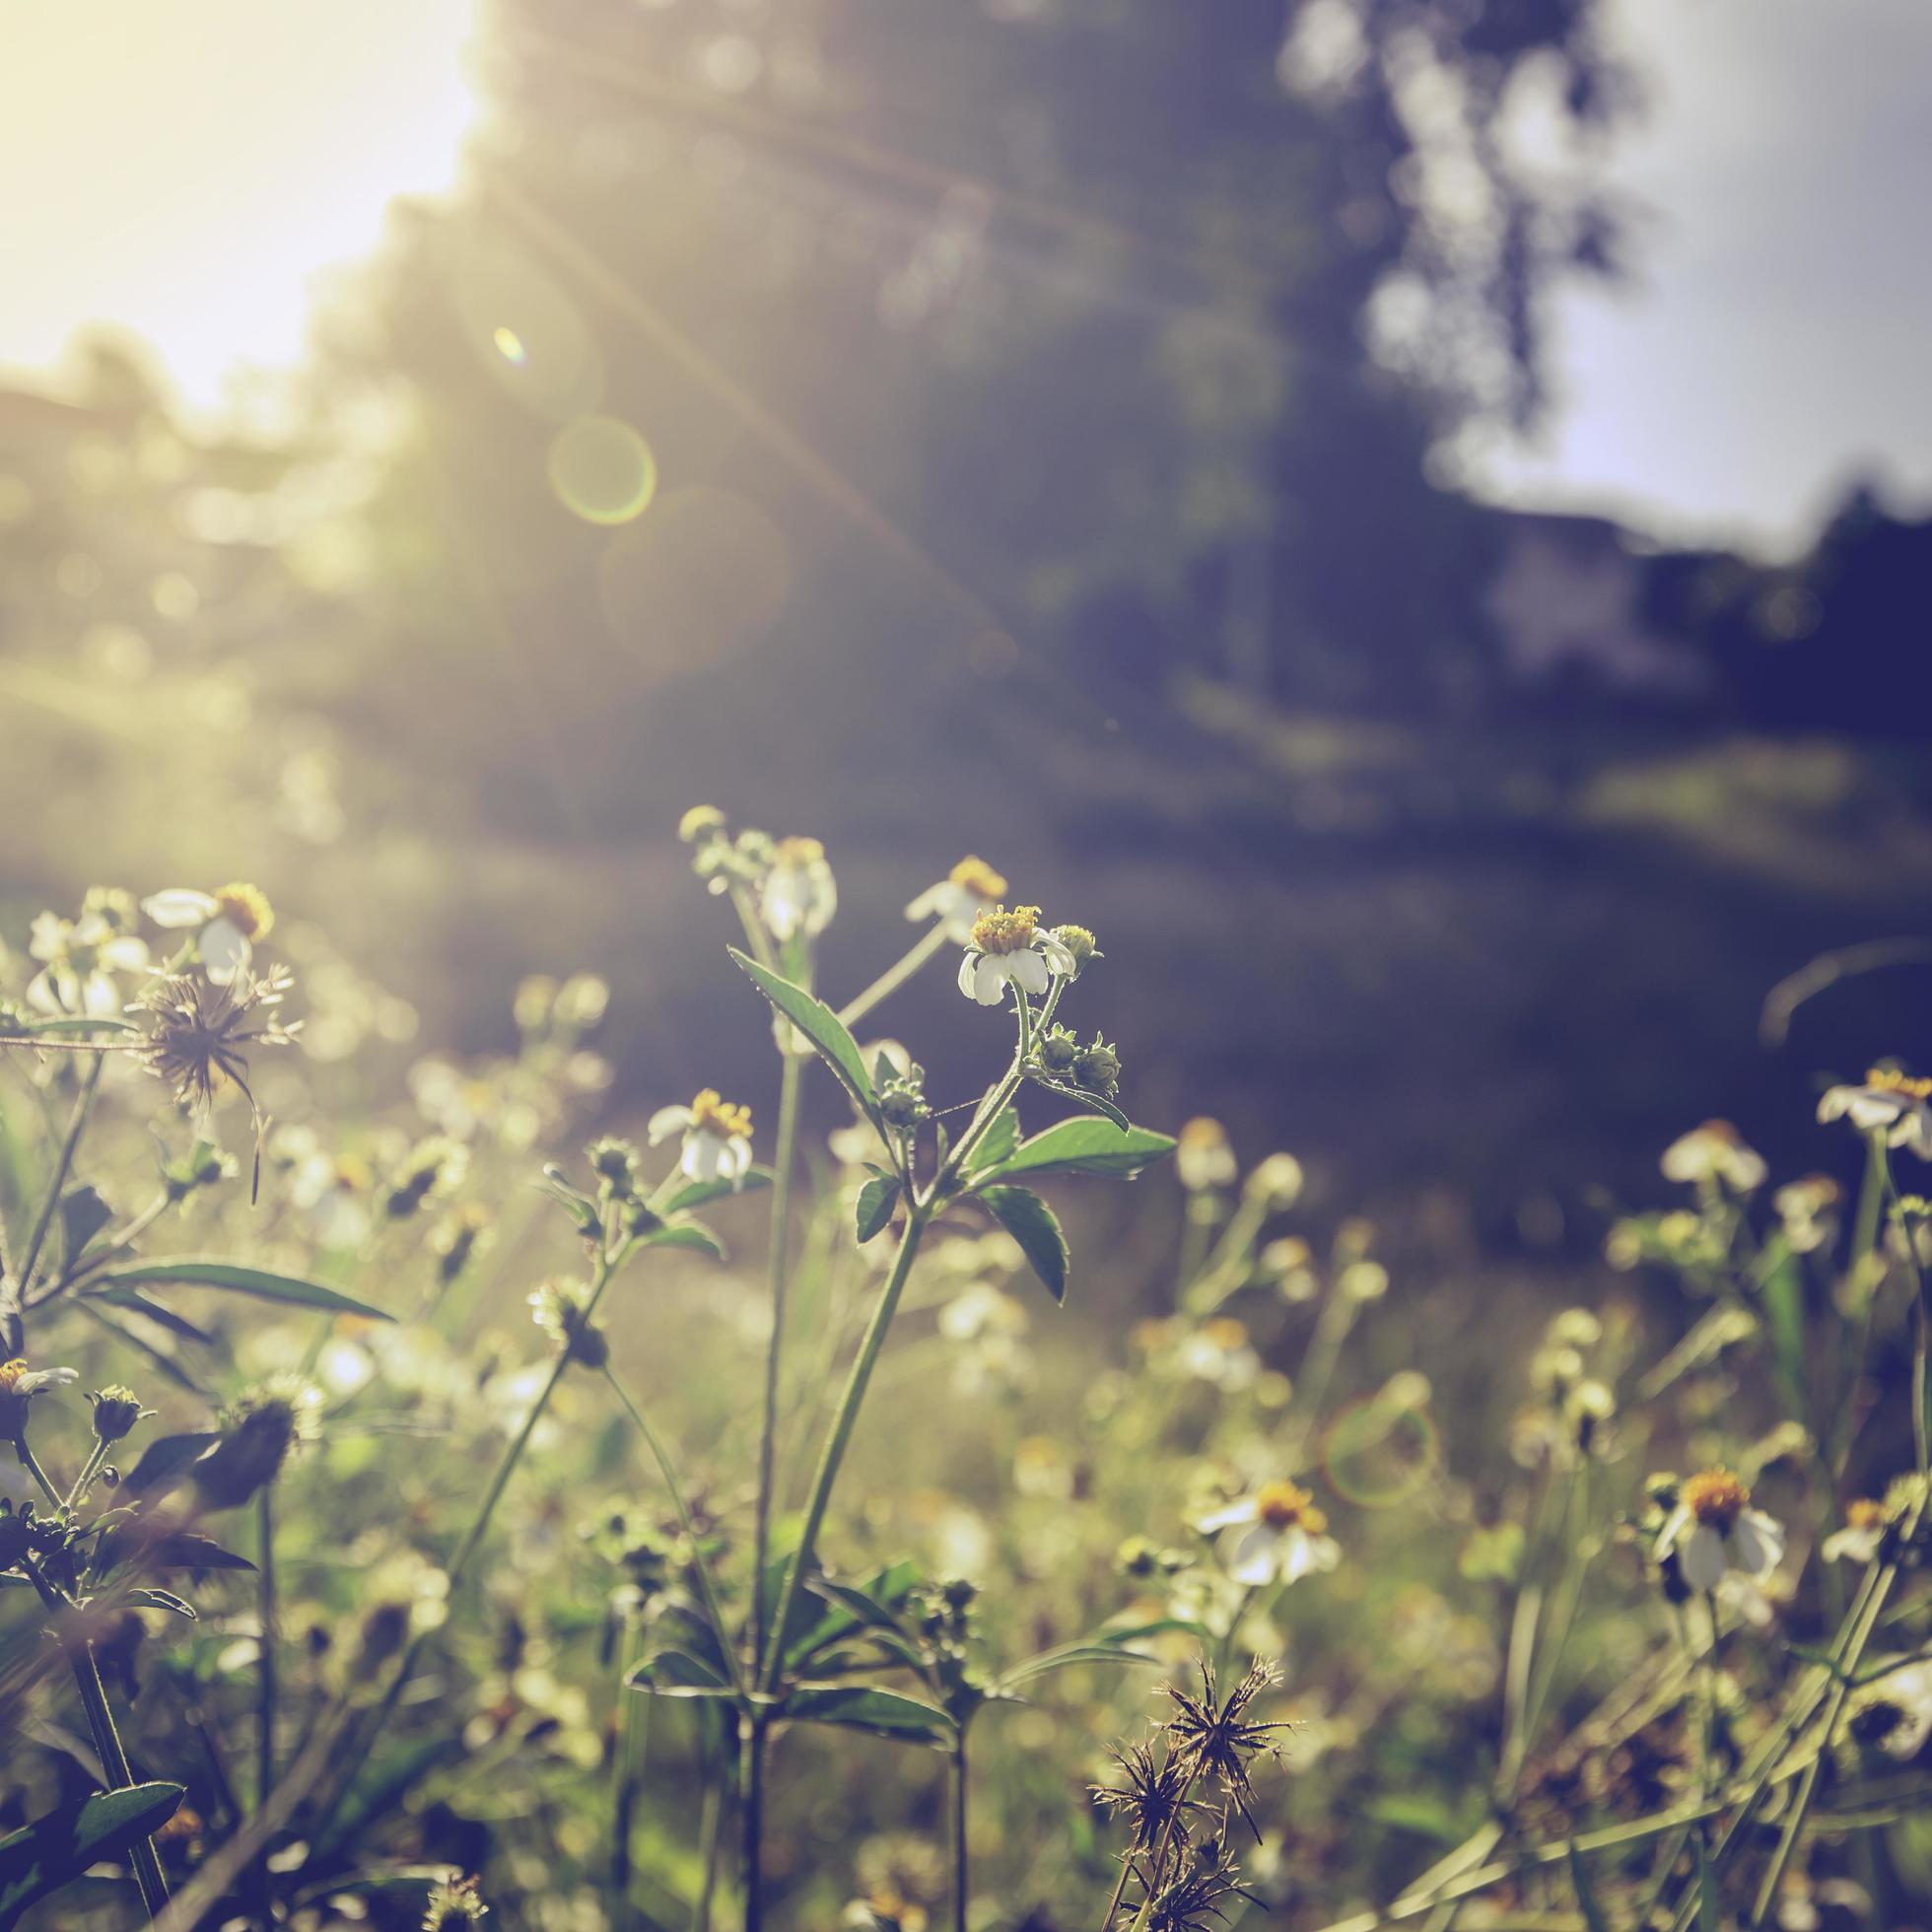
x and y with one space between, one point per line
1029 970
1225 1518
1701 1557
179 906
666 1122
1256 1557
225 951
989 979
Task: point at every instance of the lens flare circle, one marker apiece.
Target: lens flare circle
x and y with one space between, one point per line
602 471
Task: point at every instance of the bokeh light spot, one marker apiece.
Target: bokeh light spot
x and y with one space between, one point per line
1380 1451
510 345
601 469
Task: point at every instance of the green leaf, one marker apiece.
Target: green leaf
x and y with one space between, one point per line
43 1856
1783 1297
1080 1097
678 1673
1085 1147
290 1289
158 1351
820 1025
876 1200
1071 1653
1030 1222
700 1194
856 1608
882 1713
165 1459
171 1550
137 1303
83 1215
61 1028
999 1140
686 1234
162 1600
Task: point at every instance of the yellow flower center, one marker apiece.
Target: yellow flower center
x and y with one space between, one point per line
1282 1505
1000 930
1862 1513
9 1374
1889 1079
1201 1133
1716 1497
247 909
711 1114
799 853
976 877
1224 1332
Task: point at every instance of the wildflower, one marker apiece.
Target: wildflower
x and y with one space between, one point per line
1890 1103
614 1163
435 1165
562 1310
1211 1738
454 1904
716 1137
199 1034
18 1385
1283 1536
901 1099
1219 1352
1276 1183
1080 948
1055 1052
1713 1529
79 958
700 825
800 894
1807 1207
456 1239
1865 1525
259 1432
1151 1796
227 923
1203 1157
116 1408
1714 1153
971 889
1011 948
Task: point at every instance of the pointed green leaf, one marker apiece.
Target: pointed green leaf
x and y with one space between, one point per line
165 1459
290 1289
83 1215
678 1674
1030 1222
1071 1653
876 1200
1586 1896
1080 1097
686 1234
162 1600
1085 1147
820 1025
883 1713
999 1140
166 1550
43 1856
159 1350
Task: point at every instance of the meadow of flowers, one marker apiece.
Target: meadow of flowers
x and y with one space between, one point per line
436 1506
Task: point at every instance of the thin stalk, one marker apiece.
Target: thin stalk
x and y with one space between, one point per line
752 1815
89 1470
63 1166
31 1465
627 1774
114 1762
961 1864
783 1160
844 1420
265 1684
710 1823
893 978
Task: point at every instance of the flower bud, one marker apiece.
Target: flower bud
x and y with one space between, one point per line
1079 945
1056 1050
700 825
115 1412
1097 1068
614 1163
257 1436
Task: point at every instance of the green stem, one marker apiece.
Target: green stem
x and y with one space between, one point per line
752 1815
844 1420
30 1463
113 1763
710 1823
893 978
265 1684
89 1470
784 1159
63 1164
633 1740
961 1871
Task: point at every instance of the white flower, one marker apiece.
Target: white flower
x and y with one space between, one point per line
1890 1103
1714 1152
1713 1529
1282 1537
1203 1156
19 1384
800 894
80 956
227 923
1862 1535
716 1137
1011 948
1894 1708
971 889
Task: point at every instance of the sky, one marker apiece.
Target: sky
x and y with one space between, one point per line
189 170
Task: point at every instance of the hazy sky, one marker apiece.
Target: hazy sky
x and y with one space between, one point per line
184 166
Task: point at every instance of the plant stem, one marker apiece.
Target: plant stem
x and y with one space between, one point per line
63 1164
961 1872
265 1670
632 1739
893 978
832 1454
783 1163
30 1463
113 1763
711 1819
752 1815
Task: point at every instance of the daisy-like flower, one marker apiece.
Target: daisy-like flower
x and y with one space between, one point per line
79 958
1283 1536
18 1385
1715 1529
199 1034
716 1137
1866 1522
971 889
562 1310
1217 1739
1890 1103
1011 948
227 923
800 894
1808 1207
1714 1152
